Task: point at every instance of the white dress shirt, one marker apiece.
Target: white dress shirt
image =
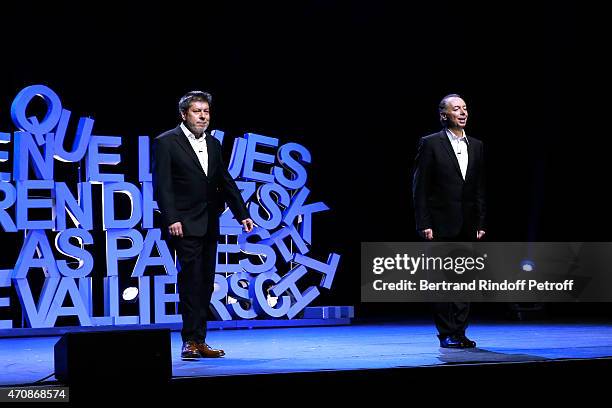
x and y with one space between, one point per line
199 147
460 147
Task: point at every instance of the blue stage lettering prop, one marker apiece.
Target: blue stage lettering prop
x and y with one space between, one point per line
4 156
80 209
238 288
85 239
5 282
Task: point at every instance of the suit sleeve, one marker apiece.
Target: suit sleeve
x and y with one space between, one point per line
420 185
231 192
162 182
481 204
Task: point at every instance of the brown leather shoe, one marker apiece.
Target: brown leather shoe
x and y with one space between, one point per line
207 352
190 351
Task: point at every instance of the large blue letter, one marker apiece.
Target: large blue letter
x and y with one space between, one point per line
4 139
111 302
32 125
298 208
228 248
252 156
67 287
36 315
114 255
269 204
5 282
278 239
288 283
327 269
85 259
257 293
153 239
265 253
5 203
94 159
240 292
217 300
149 205
25 147
237 159
81 140
80 210
161 298
144 159
108 205
36 242
24 203
292 165
227 219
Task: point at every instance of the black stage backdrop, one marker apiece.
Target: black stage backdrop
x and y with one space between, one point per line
357 83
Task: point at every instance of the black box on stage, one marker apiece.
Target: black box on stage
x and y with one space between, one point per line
131 356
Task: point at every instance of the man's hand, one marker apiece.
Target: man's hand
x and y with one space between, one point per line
427 234
176 229
247 224
480 234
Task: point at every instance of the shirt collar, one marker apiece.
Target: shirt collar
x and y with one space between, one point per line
452 137
188 133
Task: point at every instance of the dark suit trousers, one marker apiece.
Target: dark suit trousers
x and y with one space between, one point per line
196 278
452 317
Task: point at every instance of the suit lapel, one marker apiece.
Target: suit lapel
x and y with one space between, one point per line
212 155
471 158
182 141
451 153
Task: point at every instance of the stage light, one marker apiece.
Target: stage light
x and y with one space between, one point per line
130 294
527 266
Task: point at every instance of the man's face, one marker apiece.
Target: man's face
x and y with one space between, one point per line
455 113
197 117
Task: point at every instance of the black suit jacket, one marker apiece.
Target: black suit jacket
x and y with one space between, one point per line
443 201
184 192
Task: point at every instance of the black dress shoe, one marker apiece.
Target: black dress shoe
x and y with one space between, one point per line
451 341
467 343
